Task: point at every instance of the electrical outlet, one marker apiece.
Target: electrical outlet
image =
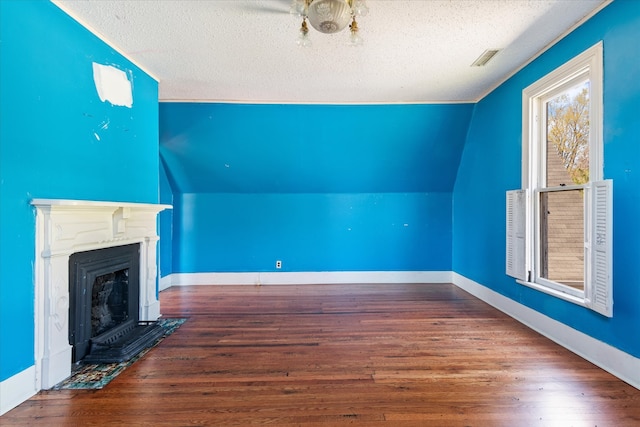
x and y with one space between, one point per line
278 264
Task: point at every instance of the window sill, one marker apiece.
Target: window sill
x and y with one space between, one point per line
554 292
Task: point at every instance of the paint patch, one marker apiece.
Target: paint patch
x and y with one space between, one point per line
112 85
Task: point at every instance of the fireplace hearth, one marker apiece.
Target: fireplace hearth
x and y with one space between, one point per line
104 289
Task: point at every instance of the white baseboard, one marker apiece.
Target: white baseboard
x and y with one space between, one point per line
615 361
16 389
309 278
164 283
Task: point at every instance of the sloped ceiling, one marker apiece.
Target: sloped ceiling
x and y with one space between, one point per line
235 148
415 51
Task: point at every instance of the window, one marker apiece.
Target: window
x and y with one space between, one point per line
559 223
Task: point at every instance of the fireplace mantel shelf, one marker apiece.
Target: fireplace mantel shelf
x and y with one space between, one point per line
97 204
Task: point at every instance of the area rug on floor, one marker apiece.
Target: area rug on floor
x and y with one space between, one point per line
96 376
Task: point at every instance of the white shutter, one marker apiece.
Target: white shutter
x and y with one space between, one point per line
600 296
516 229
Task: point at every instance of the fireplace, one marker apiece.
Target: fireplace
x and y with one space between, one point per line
68 227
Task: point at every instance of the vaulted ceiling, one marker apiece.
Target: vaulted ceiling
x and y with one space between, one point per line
415 51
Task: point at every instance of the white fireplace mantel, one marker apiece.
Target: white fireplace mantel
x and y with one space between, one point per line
64 227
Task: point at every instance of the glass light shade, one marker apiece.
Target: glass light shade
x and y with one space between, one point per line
355 39
329 16
360 8
303 40
297 7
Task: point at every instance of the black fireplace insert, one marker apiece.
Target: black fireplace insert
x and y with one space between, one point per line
104 301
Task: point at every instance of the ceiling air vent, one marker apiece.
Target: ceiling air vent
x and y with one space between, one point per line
485 57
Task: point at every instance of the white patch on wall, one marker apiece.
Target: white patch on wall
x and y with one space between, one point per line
112 85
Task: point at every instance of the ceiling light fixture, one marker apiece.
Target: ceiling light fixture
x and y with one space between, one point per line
328 17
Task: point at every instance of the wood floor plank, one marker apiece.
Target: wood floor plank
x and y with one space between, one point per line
397 355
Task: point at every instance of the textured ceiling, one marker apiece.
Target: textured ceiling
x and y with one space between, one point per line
245 50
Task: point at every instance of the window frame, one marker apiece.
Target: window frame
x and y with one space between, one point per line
588 62
523 239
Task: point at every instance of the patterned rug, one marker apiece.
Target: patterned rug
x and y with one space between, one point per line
96 376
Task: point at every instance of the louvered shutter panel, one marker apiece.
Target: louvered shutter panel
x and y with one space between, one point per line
516 228
601 286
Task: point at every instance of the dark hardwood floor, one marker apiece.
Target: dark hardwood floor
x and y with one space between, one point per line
398 355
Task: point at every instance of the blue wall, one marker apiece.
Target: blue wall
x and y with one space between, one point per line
320 187
165 219
313 232
491 164
58 140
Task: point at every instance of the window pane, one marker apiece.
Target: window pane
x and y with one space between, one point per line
562 237
568 137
